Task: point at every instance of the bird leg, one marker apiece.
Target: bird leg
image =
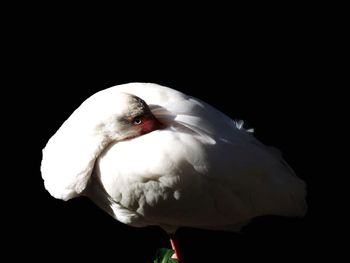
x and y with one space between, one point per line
174 241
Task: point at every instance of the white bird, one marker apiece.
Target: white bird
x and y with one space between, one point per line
151 155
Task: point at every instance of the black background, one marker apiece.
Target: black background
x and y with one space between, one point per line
265 71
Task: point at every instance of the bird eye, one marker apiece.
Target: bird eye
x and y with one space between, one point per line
137 121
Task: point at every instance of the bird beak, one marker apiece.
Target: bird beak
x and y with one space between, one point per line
151 123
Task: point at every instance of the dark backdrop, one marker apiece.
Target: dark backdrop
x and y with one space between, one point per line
266 74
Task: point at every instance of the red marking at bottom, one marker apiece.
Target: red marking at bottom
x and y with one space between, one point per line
174 241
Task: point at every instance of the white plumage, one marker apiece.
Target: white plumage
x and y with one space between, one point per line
198 168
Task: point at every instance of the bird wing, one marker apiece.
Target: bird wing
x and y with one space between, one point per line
203 170
70 154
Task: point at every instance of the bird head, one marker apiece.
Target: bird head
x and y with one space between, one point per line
124 118
106 117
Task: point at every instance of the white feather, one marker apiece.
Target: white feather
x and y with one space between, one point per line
203 170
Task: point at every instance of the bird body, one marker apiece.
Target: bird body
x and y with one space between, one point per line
150 155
